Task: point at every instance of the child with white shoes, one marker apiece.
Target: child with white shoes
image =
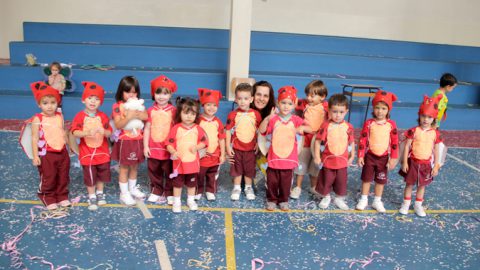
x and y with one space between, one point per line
215 153
377 149
421 142
333 143
183 143
161 117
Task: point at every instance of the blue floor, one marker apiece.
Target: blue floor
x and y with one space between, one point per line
231 234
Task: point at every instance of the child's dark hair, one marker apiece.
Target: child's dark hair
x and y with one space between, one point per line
316 87
56 64
338 100
271 99
125 85
244 87
448 79
388 114
186 105
161 90
434 123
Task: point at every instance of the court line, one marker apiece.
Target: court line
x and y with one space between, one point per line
143 208
463 162
230 241
162 254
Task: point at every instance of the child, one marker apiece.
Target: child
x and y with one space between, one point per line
421 142
215 153
282 156
378 149
160 120
333 141
92 127
241 140
315 112
128 148
57 81
447 83
184 141
48 147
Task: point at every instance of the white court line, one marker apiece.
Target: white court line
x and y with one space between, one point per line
162 254
463 147
463 162
146 213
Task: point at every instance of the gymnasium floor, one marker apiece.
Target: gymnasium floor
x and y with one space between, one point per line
242 235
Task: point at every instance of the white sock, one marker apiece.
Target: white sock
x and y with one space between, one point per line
190 198
248 186
419 203
99 192
92 196
132 183
176 200
364 197
377 198
236 187
123 187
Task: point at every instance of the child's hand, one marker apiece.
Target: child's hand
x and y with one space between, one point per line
435 170
317 160
131 114
174 155
36 161
350 160
146 151
405 167
222 159
300 130
392 163
230 151
361 161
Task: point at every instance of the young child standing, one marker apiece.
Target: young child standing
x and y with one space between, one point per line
215 153
128 149
241 140
93 128
282 156
50 154
421 142
378 149
448 82
57 81
183 143
161 118
333 141
315 112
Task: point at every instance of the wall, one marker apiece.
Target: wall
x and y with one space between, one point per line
432 21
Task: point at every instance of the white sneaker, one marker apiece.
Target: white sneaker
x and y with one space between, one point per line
404 208
210 196
325 202
137 193
170 200
192 205
340 203
249 193
295 193
177 208
418 208
378 205
362 204
127 199
198 197
101 199
92 204
235 194
153 198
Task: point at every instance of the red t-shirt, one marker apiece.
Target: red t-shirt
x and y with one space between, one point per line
243 125
161 121
380 139
215 132
336 138
93 149
118 110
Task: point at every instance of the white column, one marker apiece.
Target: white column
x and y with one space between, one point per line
239 53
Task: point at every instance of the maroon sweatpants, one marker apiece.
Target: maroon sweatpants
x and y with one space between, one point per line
158 171
332 177
279 183
207 176
54 177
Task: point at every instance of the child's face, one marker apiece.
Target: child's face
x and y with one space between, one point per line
450 88
188 118
337 113
54 70
162 97
92 103
285 106
314 99
210 108
243 99
380 111
48 105
130 94
426 121
262 96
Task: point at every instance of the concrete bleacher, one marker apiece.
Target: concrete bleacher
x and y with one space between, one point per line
199 58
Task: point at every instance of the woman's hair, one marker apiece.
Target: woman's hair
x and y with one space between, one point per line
125 85
186 105
57 65
271 99
388 114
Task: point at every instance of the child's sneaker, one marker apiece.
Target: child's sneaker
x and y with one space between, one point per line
404 208
170 200
249 193
235 194
153 198
137 193
210 196
65 203
127 199
295 193
271 206
92 204
325 202
340 203
418 208
378 205
161 200
101 199
52 207
177 208
192 205
362 204
284 206
198 197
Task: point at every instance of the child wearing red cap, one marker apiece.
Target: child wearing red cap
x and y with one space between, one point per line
184 141
128 147
378 149
161 118
333 143
421 142
282 156
215 153
48 148
93 128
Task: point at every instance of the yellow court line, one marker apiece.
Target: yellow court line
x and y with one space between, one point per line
230 241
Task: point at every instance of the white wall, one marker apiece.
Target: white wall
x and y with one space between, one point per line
434 21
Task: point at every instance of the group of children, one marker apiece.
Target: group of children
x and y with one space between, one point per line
185 147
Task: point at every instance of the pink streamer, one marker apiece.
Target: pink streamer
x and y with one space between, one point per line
255 261
364 262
